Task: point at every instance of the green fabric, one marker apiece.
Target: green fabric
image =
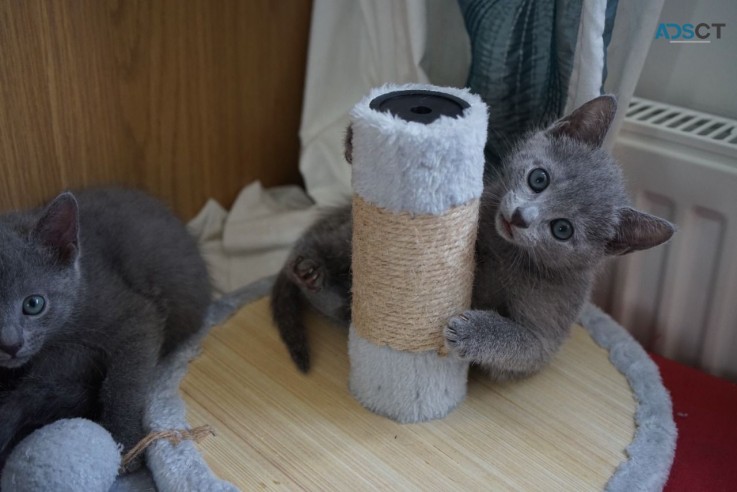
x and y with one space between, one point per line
522 57
611 14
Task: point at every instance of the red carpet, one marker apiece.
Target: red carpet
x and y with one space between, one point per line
705 412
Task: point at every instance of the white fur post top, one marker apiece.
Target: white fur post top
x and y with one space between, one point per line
414 167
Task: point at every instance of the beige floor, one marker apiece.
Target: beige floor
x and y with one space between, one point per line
565 429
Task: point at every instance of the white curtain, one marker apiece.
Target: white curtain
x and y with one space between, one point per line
357 45
588 60
634 31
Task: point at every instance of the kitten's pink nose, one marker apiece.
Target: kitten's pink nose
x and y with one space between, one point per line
518 220
11 348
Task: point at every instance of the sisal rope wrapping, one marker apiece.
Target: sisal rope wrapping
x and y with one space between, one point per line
411 273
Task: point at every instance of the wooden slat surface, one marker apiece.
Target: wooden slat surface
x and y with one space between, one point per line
190 99
565 429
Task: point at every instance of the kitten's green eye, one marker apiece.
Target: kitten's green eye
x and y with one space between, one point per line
562 229
538 179
33 305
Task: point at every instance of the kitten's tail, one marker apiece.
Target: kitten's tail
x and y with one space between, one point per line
286 308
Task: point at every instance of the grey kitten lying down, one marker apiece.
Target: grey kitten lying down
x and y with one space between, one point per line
550 215
93 291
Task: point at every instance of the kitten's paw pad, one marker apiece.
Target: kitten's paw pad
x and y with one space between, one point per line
460 334
308 273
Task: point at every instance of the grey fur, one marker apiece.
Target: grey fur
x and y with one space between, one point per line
318 271
405 386
531 287
181 467
651 452
175 466
421 168
50 456
124 285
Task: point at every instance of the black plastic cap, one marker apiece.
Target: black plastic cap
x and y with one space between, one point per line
419 106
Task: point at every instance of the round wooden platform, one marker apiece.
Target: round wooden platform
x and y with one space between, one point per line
277 429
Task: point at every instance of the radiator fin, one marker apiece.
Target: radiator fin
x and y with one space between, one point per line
692 297
682 122
642 293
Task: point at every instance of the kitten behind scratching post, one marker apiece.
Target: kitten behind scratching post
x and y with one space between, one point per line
418 163
551 213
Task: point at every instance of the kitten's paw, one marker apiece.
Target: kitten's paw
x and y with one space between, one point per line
461 335
308 273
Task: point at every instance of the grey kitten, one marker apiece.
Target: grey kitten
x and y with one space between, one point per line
318 272
93 291
550 215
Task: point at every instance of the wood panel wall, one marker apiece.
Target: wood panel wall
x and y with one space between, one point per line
189 99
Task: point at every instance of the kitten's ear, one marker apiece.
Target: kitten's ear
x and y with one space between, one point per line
637 231
58 228
589 123
348 144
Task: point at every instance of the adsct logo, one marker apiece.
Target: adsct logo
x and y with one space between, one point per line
701 33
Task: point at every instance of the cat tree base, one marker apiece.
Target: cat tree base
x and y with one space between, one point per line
566 428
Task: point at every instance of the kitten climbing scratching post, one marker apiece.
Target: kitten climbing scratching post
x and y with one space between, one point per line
418 161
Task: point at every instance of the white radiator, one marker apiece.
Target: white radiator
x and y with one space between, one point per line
680 300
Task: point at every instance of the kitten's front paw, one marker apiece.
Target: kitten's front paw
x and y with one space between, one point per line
461 335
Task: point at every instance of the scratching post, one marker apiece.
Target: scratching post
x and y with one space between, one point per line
417 178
